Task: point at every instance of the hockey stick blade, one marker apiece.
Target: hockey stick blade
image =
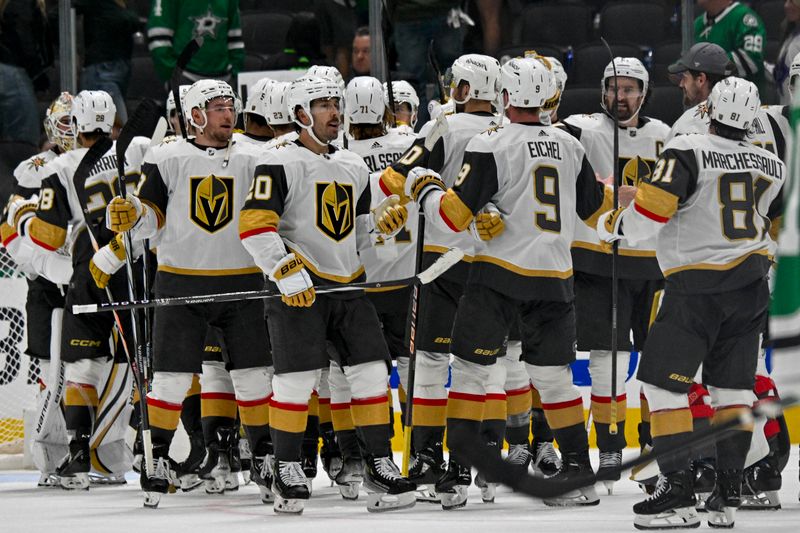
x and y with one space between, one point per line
494 467
159 133
446 261
439 267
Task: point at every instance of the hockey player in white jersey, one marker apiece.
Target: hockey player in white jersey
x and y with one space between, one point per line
640 142
474 91
45 299
524 271
64 204
406 105
387 258
709 200
192 194
305 232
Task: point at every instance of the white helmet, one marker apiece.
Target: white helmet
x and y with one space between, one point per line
794 70
559 72
182 90
277 104
403 93
58 124
258 95
328 73
304 91
481 72
201 92
92 111
628 67
364 100
734 102
528 82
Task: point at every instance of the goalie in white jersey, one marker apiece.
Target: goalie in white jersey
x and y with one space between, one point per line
625 84
306 217
192 194
538 177
65 204
710 200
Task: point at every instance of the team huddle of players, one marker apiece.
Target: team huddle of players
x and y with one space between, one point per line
324 189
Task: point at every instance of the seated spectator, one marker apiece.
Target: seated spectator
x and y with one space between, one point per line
360 62
790 47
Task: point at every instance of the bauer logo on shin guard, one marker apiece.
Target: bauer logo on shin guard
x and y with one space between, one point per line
211 202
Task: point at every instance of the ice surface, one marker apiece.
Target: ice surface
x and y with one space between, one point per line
26 508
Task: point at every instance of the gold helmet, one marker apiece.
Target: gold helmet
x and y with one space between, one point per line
58 124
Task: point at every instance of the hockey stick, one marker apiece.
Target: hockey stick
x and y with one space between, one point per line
144 121
612 426
494 467
447 260
82 172
437 73
175 80
389 88
413 330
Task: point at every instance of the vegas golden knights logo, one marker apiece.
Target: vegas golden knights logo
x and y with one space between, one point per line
635 171
335 209
211 202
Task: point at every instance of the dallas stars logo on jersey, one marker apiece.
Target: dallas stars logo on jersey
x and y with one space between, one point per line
335 209
211 204
206 25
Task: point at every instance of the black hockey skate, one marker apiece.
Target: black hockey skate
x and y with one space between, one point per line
428 467
545 458
519 456
350 477
188 470
161 480
232 481
309 465
290 486
452 486
671 506
760 487
331 455
73 472
705 477
261 475
215 468
725 499
575 465
388 489
609 462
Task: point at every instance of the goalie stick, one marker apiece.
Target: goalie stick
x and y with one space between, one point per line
175 80
441 265
496 468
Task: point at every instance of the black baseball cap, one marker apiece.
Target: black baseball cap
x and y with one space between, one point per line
704 57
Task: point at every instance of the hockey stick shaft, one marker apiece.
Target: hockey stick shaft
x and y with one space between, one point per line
389 85
612 426
413 331
437 72
447 260
184 58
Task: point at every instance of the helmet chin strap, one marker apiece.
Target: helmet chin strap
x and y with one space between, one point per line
310 130
453 98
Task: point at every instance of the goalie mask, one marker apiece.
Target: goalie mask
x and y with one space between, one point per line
303 92
203 91
625 67
527 82
363 100
403 93
93 111
734 102
277 104
57 122
481 72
